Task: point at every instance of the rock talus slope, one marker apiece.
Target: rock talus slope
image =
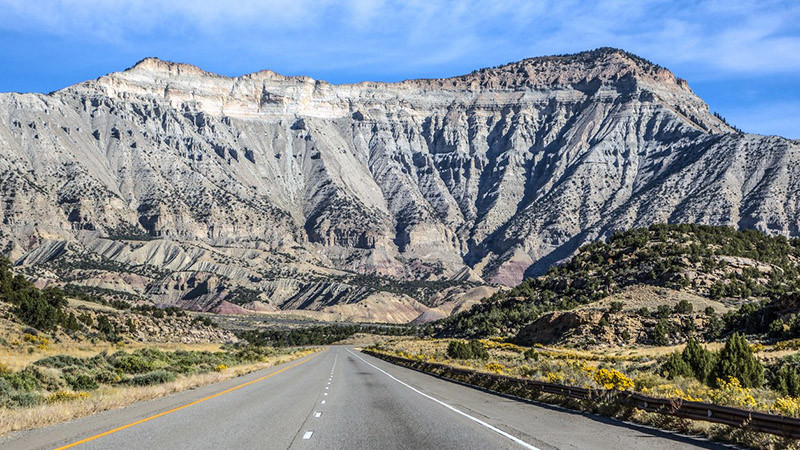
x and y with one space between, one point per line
279 190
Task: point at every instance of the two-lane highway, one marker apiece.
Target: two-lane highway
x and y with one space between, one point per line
341 399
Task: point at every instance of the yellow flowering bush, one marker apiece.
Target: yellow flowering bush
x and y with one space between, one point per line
732 393
65 396
793 344
787 406
494 343
40 342
221 368
556 378
612 379
495 368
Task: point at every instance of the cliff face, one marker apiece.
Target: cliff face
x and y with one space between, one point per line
261 178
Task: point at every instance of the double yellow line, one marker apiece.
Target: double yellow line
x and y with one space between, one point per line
83 441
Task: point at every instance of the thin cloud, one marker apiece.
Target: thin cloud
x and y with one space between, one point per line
385 40
741 37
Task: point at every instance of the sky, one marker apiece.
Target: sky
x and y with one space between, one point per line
741 57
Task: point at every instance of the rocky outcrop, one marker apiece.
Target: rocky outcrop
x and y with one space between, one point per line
492 175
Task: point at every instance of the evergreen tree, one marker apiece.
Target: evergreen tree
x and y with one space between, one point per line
737 360
787 381
700 360
675 366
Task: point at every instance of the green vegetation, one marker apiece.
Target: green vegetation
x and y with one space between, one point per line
784 376
660 255
46 309
42 309
36 383
106 297
421 290
735 360
319 335
467 350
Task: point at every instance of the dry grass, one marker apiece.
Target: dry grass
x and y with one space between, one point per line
107 398
643 296
18 354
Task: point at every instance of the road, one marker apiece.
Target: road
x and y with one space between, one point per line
341 399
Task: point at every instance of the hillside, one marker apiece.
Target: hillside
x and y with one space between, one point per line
31 317
656 285
272 193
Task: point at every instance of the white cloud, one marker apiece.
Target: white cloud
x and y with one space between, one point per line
728 36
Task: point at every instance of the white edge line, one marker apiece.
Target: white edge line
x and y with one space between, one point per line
474 419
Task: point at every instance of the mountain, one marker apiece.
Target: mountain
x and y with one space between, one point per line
381 201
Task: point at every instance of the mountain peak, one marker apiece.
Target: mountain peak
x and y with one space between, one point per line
154 64
604 64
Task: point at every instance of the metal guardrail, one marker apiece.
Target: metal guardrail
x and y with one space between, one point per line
735 417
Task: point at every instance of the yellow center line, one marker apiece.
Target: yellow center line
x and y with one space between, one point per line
83 441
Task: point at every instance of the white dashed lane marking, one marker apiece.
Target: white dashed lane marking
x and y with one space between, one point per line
308 435
317 414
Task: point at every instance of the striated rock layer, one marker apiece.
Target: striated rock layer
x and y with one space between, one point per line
286 187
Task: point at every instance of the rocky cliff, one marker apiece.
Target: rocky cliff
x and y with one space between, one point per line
286 188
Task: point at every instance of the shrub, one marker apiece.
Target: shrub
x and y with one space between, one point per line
683 307
615 306
86 319
531 353
700 360
787 406
104 325
154 377
792 344
786 379
466 350
736 360
132 364
35 311
22 381
675 366
612 379
59 361
663 311
220 368
65 396
81 382
732 393
555 378
22 399
495 368
660 333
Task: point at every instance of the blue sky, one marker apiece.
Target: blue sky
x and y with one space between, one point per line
742 57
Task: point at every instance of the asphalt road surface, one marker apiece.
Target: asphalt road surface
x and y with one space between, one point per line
342 399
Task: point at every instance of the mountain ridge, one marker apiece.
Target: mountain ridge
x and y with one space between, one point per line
589 56
288 186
